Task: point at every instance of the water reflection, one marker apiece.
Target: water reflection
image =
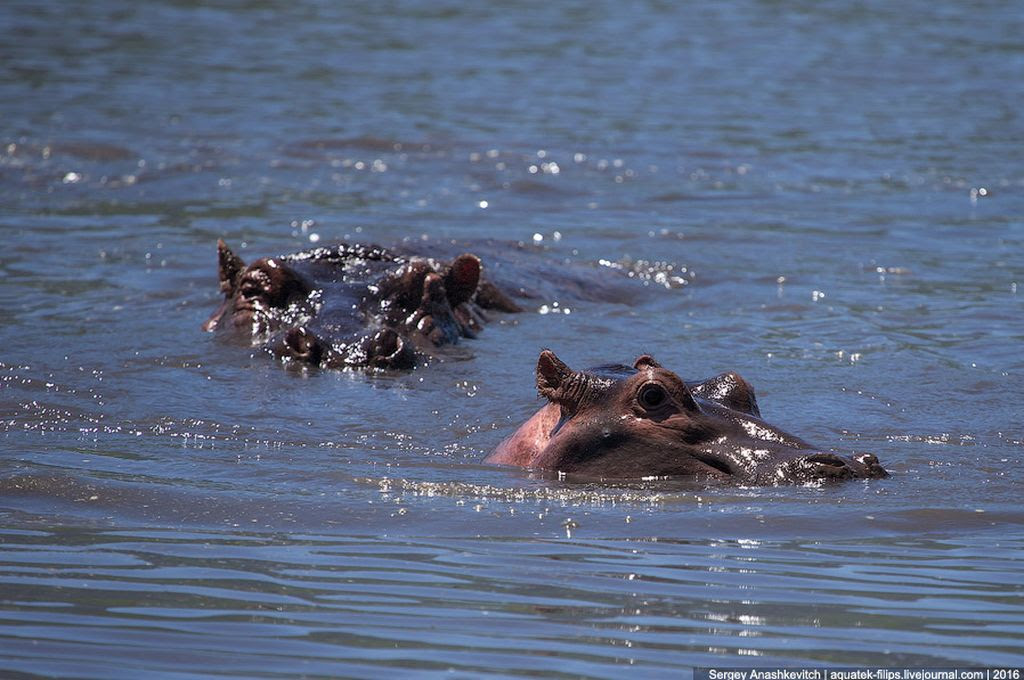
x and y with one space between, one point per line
383 602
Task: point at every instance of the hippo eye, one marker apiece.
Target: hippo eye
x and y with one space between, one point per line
652 396
254 283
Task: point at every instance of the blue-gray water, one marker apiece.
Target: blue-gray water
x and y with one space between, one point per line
842 182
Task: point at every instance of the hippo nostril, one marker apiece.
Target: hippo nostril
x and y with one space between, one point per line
826 466
303 345
829 459
387 349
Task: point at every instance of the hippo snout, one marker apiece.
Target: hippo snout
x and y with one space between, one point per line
872 466
828 467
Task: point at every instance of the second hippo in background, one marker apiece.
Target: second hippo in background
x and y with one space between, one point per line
354 305
618 422
358 305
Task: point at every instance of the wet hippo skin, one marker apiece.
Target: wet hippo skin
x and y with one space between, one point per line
620 422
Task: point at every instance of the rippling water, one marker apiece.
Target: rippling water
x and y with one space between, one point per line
837 190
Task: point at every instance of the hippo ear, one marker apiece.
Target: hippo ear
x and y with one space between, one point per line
462 278
552 374
229 268
645 360
559 384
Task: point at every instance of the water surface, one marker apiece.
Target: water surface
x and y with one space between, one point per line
838 189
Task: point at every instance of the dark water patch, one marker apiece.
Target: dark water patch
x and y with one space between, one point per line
365 143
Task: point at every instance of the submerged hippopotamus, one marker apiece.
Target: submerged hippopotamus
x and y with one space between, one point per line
366 306
617 422
354 305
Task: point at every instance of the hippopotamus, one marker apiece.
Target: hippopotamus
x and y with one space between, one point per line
644 421
354 305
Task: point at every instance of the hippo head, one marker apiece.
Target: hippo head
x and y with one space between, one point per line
380 308
642 422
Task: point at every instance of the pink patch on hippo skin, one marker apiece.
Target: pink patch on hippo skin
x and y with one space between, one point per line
529 440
